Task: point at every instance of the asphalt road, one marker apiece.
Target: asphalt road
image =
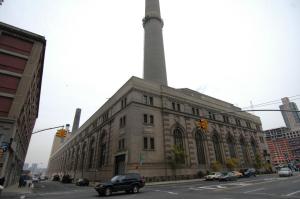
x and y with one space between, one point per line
267 186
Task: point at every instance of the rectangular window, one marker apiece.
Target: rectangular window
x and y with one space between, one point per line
122 121
226 119
105 116
238 122
145 143
178 107
173 105
145 99
123 103
248 124
210 115
151 100
152 143
151 119
148 119
120 147
197 111
193 111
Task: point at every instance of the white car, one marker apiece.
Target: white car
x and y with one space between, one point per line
213 176
35 180
285 172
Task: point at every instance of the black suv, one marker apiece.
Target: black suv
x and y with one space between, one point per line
66 179
130 183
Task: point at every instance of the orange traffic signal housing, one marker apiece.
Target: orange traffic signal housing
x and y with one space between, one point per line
202 124
61 133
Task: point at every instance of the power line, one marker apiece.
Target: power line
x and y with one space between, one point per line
272 102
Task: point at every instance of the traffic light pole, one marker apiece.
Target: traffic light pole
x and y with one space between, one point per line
67 125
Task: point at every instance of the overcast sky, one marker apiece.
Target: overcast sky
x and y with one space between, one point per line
235 50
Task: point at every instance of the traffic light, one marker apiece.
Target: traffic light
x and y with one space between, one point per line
61 133
202 124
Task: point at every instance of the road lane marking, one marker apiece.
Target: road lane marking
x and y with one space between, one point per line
209 188
221 187
293 193
169 192
195 189
254 190
173 193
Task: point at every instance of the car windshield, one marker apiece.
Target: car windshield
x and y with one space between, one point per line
284 169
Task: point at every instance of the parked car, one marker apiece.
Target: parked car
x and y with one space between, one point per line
237 174
82 182
130 183
56 178
213 176
229 176
35 180
249 172
285 172
66 179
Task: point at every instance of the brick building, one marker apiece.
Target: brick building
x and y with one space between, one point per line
284 145
21 68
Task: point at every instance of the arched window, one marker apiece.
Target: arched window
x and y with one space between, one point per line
253 146
231 146
178 140
91 153
200 147
216 143
82 156
76 159
244 150
103 149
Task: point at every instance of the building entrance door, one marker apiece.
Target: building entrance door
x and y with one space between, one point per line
120 164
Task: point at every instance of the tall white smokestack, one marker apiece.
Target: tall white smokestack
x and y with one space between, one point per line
76 120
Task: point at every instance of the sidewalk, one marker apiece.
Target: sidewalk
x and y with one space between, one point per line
14 190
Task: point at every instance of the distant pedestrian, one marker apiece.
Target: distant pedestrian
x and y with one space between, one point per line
21 181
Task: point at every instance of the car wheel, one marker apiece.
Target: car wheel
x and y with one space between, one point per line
135 189
128 191
107 191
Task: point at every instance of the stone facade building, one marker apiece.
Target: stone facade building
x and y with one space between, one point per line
137 128
21 69
134 131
